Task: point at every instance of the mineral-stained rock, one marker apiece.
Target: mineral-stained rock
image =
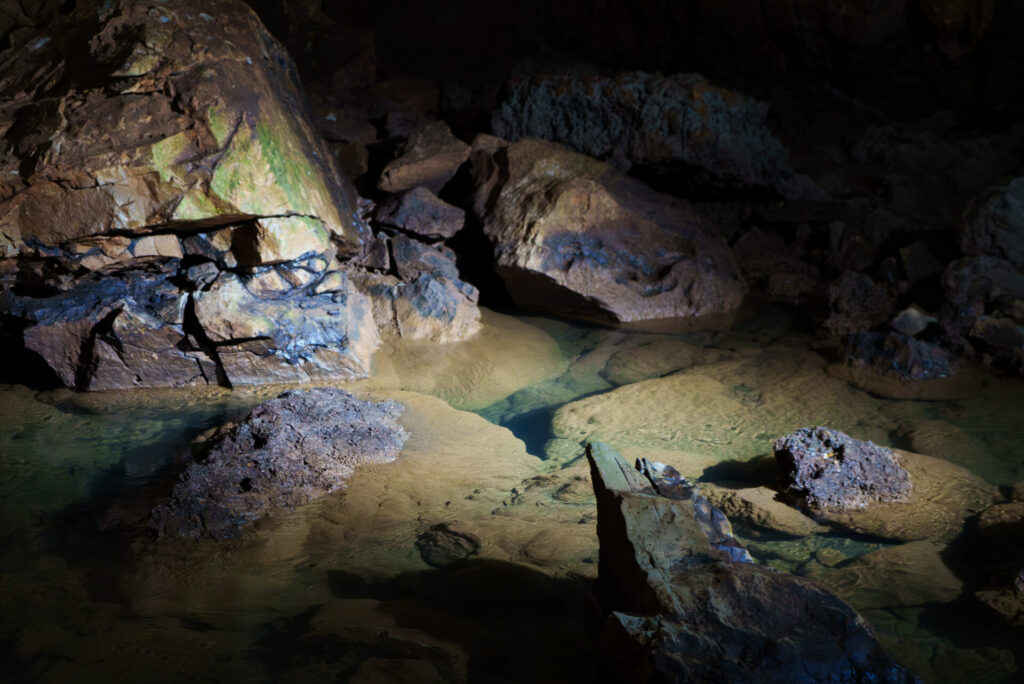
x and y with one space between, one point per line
994 224
825 468
427 307
210 118
429 158
572 236
421 212
676 608
288 451
648 119
295 335
114 330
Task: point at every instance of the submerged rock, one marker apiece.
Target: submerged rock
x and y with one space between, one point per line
897 366
648 119
288 451
447 543
676 608
572 236
823 468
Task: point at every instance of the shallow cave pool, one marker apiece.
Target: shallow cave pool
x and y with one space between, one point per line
339 590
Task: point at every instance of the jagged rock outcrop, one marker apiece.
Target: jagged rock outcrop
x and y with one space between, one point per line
676 607
422 213
288 451
640 119
572 236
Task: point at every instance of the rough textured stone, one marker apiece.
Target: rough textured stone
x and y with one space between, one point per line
857 303
427 307
823 468
648 119
295 335
994 224
421 212
571 236
288 451
984 310
210 118
429 158
113 330
671 601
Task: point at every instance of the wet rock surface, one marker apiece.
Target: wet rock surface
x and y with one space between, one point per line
670 599
573 236
287 452
823 468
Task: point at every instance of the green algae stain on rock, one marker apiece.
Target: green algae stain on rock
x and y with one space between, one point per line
165 155
219 126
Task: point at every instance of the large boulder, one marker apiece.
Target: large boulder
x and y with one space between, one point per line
645 119
994 224
288 451
212 128
984 310
676 606
574 237
216 195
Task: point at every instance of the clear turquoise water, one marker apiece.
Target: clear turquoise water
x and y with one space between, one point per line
78 475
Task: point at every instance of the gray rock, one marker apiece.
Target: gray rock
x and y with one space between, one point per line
825 468
637 118
422 213
288 451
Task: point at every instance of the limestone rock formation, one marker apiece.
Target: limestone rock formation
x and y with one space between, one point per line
572 236
649 120
676 608
288 451
825 468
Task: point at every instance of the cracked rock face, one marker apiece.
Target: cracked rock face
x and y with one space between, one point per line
574 237
288 451
210 122
168 213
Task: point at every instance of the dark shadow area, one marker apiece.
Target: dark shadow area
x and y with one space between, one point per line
760 471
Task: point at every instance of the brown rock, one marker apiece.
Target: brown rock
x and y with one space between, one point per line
573 237
421 212
429 158
231 147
